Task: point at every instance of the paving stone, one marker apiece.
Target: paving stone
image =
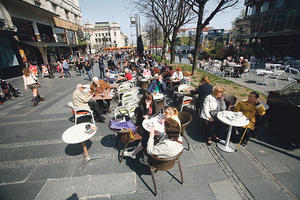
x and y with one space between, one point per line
224 190
27 190
135 196
203 156
291 180
89 186
262 188
56 170
15 154
205 173
13 175
273 164
52 150
188 159
241 165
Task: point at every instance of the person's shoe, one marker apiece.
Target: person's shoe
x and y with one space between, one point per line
209 142
144 161
129 154
35 101
41 98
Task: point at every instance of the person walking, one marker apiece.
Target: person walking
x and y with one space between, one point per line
30 81
101 68
66 68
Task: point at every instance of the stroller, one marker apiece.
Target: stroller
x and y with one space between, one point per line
8 90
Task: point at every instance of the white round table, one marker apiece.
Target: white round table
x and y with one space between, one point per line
158 96
77 134
230 118
157 122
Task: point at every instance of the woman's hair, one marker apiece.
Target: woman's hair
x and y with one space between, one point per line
218 90
148 95
172 129
255 94
171 111
26 72
205 79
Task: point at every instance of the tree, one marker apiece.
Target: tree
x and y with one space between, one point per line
198 6
153 33
171 16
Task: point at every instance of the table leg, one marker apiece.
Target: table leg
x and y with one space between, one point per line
225 146
87 157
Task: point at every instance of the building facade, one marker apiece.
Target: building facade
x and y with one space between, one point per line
273 26
44 32
105 34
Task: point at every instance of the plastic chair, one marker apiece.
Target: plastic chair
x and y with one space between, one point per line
126 110
80 112
162 164
185 119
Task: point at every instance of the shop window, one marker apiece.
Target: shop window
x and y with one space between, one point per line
71 36
46 33
265 7
251 10
25 30
279 3
7 55
61 35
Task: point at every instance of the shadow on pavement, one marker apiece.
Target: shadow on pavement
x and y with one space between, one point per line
76 149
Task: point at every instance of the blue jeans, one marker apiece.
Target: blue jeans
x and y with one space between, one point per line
67 73
90 74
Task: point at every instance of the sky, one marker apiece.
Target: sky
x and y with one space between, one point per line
120 11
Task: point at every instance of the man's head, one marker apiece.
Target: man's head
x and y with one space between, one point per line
80 87
253 97
160 77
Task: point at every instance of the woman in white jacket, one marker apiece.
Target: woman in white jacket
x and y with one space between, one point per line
214 102
169 145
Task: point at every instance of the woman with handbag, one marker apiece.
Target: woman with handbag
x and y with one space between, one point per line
30 81
212 104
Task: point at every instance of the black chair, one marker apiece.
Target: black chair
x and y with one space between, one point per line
230 100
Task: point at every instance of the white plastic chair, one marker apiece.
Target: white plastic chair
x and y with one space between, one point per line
126 110
81 111
187 101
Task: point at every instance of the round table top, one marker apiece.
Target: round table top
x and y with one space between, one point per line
156 122
158 96
76 134
263 71
231 118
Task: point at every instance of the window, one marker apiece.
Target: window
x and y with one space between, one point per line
7 55
61 35
67 14
54 7
279 3
71 35
265 7
115 34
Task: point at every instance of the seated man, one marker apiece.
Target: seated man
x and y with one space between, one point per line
81 99
177 75
158 85
245 66
250 108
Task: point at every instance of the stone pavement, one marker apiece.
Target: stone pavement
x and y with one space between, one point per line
36 164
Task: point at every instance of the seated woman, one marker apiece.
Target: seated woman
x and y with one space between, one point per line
158 85
128 75
171 112
177 77
250 108
212 103
147 72
100 87
169 145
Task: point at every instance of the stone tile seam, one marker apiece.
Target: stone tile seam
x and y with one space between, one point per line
236 182
53 160
269 175
40 143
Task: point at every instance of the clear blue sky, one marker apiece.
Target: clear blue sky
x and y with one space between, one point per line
120 11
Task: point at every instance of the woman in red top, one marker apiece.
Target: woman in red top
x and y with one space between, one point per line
128 75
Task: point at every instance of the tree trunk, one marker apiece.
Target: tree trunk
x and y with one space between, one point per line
198 39
173 45
163 56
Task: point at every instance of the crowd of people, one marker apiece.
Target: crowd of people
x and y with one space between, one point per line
123 67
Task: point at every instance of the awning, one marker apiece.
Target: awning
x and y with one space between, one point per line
45 44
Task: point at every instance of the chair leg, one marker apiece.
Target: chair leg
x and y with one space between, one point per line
187 142
180 170
122 154
75 120
152 169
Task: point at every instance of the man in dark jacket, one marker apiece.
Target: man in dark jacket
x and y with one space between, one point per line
202 91
101 68
158 85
